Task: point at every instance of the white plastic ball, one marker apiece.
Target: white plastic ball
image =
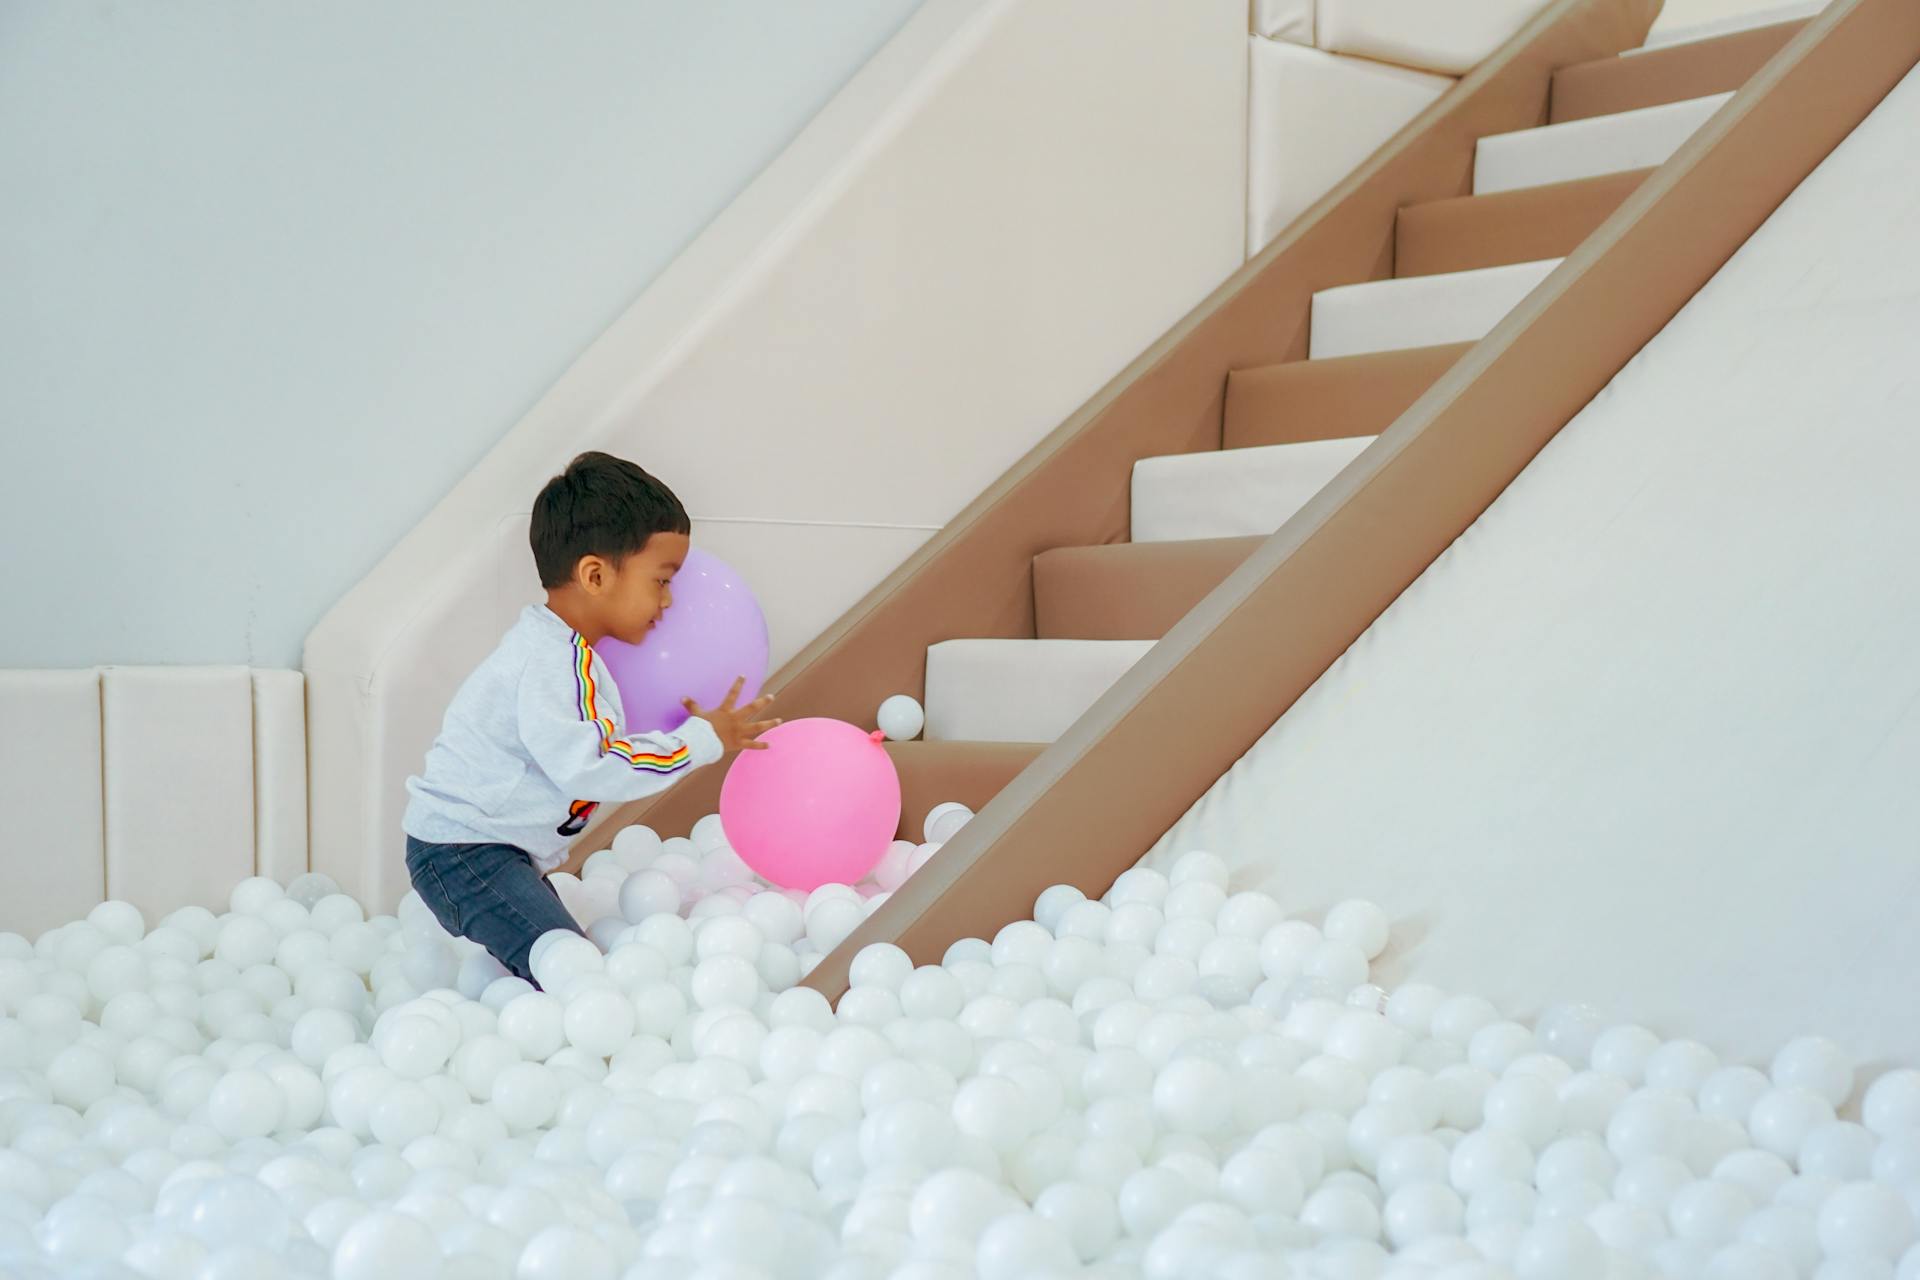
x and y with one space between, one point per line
647 893
253 895
535 1023
1864 1220
1360 924
880 964
1817 1065
901 718
598 1021
944 822
386 1246
1783 1117
1560 1251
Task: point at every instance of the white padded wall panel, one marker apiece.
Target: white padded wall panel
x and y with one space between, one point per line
1290 20
1233 493
1448 38
1312 117
178 754
1647 734
1419 311
1019 690
280 774
51 857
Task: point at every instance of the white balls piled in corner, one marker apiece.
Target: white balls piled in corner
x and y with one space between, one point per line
1174 1080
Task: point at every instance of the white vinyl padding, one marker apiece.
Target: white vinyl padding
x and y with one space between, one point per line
178 756
1448 38
280 774
1019 690
1419 311
1312 118
1648 734
51 859
1588 148
1679 23
1290 20
1232 493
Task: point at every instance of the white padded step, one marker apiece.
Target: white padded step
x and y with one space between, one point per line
1019 690
1588 148
1233 493
1660 39
1419 311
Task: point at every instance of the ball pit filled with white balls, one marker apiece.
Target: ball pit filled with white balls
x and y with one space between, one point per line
1173 1082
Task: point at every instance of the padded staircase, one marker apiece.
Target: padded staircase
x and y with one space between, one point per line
1460 265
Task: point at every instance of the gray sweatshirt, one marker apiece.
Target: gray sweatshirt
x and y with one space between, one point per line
532 744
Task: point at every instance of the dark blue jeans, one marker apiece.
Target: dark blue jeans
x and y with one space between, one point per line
491 893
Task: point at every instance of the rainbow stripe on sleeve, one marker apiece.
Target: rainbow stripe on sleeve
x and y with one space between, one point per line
610 745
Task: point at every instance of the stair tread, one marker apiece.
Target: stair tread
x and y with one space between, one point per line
1665 73
1732 24
1005 690
1128 590
1418 311
1228 493
1614 143
1327 399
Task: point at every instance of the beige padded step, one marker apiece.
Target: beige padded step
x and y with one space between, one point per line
1672 73
1128 590
1468 232
1329 399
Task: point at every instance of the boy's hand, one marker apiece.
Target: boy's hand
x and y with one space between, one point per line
735 726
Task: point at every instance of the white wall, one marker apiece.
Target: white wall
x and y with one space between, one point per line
277 275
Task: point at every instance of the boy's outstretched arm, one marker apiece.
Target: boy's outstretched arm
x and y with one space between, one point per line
568 732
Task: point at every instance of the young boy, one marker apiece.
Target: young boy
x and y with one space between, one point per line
532 743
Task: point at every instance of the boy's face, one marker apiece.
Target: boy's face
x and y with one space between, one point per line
631 596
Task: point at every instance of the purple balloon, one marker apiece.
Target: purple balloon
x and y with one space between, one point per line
713 634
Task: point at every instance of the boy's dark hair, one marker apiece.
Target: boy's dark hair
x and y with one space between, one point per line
599 506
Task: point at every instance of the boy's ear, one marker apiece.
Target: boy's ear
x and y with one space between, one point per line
590 572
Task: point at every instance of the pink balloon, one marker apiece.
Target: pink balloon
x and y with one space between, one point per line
713 633
818 806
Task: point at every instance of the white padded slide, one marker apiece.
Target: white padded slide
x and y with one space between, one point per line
1448 38
1647 735
1419 311
1019 690
51 858
1232 493
280 774
1312 118
1588 148
1683 30
178 748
